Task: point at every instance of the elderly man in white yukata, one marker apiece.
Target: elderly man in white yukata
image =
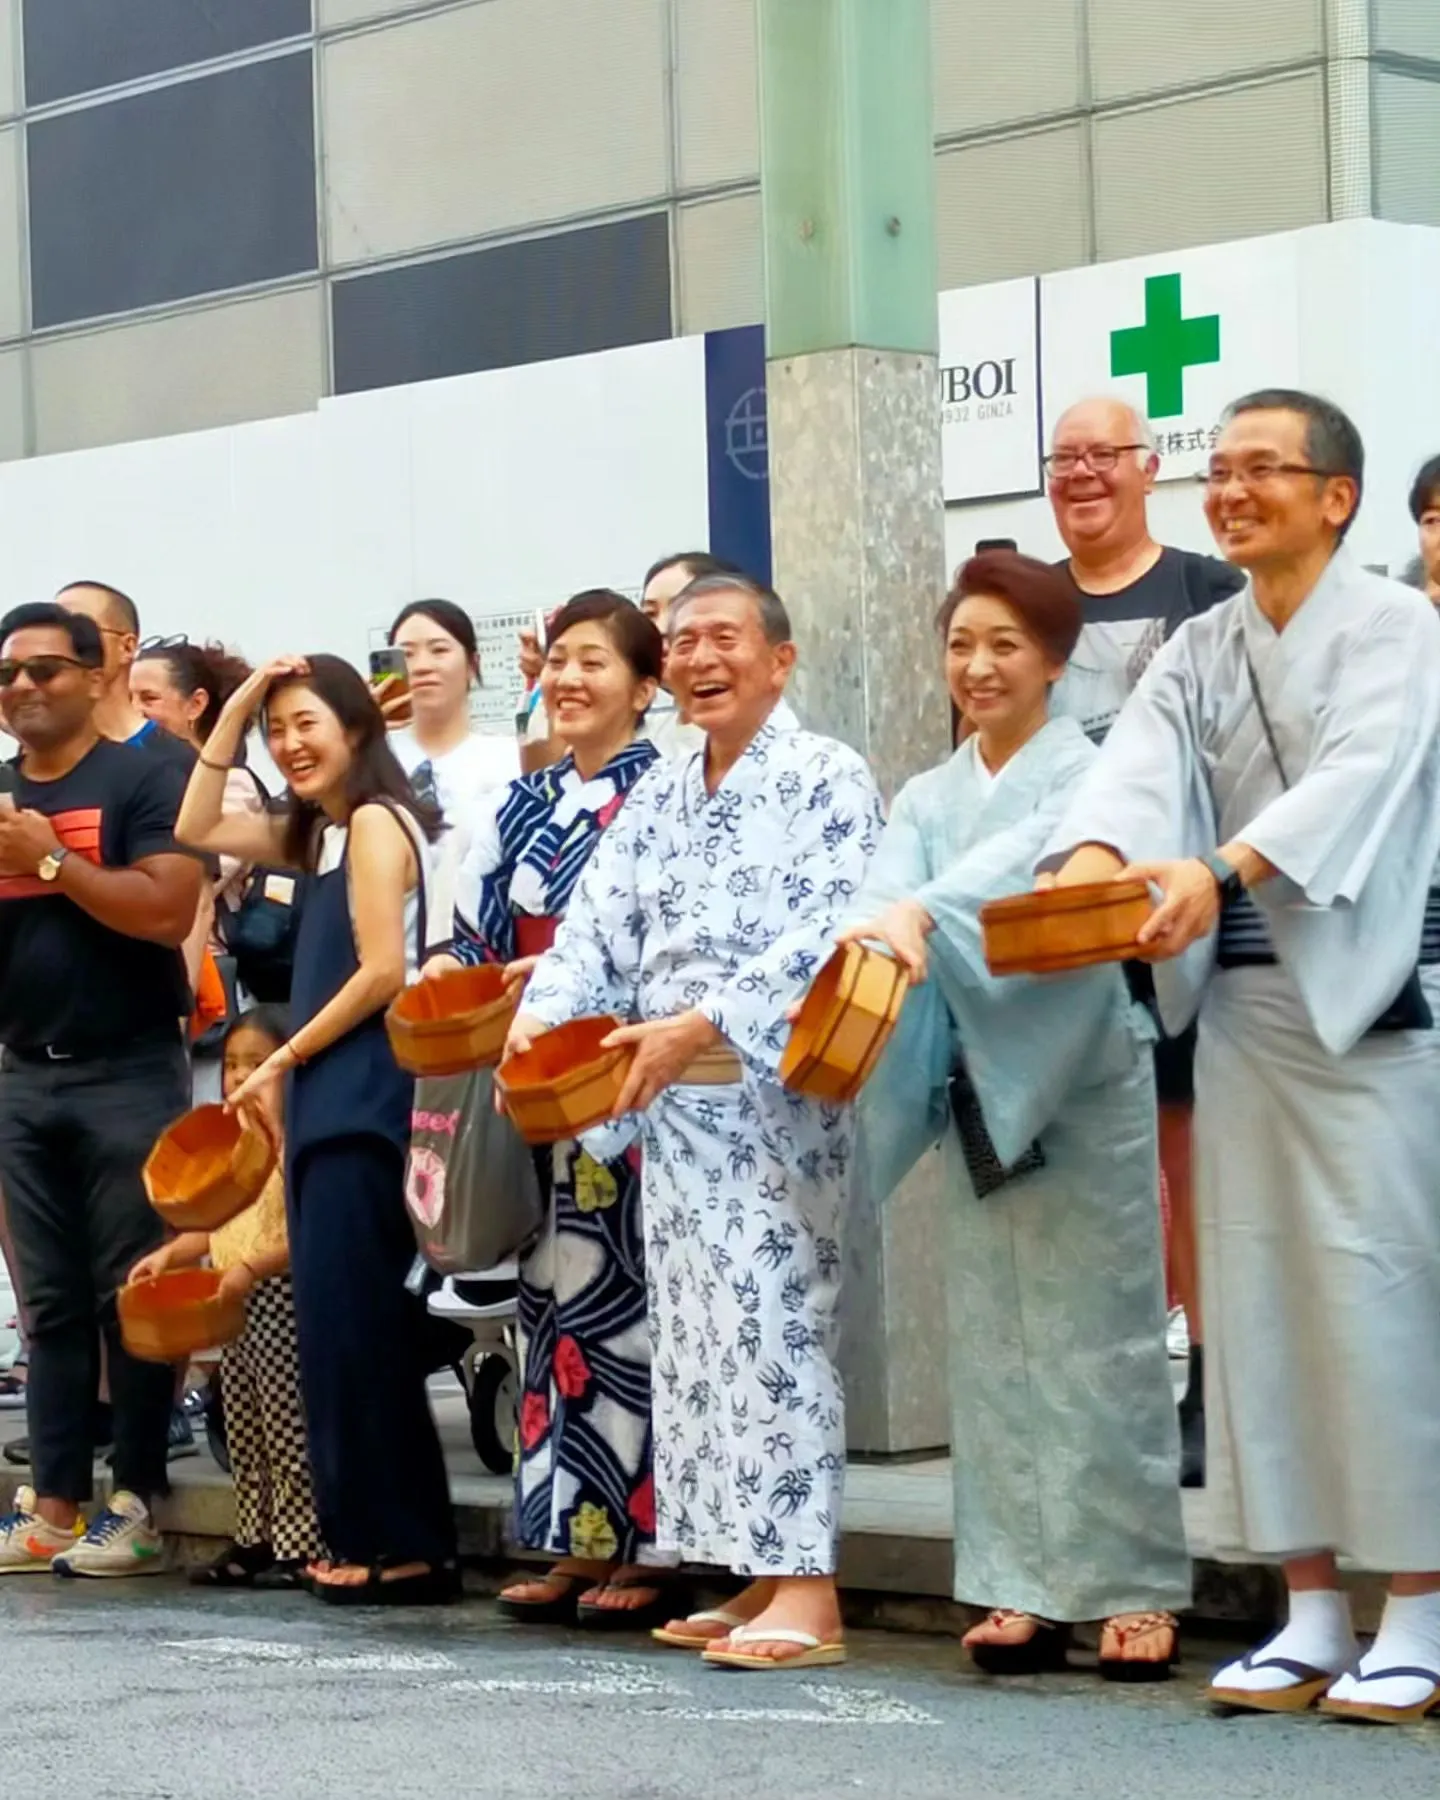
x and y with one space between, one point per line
1276 775
706 911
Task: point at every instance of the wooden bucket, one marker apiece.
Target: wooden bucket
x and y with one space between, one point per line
845 1022
1065 927
178 1314
205 1168
564 1083
457 1022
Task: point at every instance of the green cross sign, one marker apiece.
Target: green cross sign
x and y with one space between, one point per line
1164 347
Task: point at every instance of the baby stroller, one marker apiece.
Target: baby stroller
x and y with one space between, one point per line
484 1304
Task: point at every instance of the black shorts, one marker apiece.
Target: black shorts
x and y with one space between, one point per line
1175 1069
1174 1057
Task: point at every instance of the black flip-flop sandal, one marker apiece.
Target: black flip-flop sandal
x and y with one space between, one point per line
1042 1653
237 1566
438 1586
560 1609
629 1618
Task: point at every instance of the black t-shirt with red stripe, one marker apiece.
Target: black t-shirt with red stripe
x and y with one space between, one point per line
67 982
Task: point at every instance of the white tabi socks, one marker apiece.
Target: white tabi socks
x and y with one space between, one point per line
1409 1638
1319 1635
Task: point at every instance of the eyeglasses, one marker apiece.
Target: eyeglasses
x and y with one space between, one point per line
1103 459
41 670
1258 474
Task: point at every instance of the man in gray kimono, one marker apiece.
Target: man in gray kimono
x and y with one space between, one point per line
1276 776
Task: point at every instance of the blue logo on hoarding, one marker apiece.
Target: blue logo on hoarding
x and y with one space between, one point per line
738 447
747 443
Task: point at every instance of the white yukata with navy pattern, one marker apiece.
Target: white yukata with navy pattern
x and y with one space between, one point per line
728 903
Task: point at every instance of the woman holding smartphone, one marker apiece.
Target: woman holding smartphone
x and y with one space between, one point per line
423 683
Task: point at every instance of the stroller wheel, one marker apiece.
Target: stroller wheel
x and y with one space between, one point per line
492 1412
215 1435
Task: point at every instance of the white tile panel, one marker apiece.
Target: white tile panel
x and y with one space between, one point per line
493 117
1407 149
12 237
997 64
717 91
722 264
9 62
12 405
1227 165
333 13
1139 47
1016 206
251 359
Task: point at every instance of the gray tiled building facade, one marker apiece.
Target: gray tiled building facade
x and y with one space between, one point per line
216 210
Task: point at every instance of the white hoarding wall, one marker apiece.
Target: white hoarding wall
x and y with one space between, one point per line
505 491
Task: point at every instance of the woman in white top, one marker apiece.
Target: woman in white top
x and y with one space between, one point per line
447 760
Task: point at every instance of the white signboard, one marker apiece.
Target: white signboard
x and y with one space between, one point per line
1179 335
990 391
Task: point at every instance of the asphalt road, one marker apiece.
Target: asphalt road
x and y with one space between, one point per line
150 1689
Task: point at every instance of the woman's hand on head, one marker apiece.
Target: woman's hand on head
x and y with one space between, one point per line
249 697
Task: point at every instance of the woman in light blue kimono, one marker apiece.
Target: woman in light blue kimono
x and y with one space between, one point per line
1067 1505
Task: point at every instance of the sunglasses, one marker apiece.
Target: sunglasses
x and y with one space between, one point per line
173 642
41 670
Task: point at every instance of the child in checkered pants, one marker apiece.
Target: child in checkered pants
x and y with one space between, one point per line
276 1531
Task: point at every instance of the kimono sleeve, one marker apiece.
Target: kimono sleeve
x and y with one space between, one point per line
828 844
901 866
1375 741
593 965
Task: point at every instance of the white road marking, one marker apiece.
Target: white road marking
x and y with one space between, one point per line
300 1656
594 1677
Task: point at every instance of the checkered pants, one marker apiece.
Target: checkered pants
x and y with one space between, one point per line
265 1426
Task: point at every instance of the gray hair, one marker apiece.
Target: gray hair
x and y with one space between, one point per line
770 608
1332 442
1140 428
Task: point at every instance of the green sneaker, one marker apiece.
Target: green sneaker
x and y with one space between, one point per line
28 1546
120 1540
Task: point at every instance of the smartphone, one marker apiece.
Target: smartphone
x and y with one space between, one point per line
539 627
984 544
387 669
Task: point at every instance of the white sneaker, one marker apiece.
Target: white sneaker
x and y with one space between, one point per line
29 1546
120 1541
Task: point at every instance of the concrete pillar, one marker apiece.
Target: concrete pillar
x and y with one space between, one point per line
857 520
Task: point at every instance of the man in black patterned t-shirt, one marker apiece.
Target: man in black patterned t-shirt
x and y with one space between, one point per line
1136 593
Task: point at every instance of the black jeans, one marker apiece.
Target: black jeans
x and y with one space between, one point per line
73 1139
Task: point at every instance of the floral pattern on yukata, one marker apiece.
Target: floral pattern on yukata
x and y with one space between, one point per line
583 1482
728 903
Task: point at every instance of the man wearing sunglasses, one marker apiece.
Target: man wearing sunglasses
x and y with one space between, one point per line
1136 593
95 901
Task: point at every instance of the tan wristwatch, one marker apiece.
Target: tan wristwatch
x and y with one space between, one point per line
49 869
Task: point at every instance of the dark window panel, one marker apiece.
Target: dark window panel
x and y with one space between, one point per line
518 303
75 46
185 190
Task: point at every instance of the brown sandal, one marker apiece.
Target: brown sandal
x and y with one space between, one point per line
1121 1630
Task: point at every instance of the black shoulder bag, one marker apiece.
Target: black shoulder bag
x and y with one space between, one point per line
1409 1010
